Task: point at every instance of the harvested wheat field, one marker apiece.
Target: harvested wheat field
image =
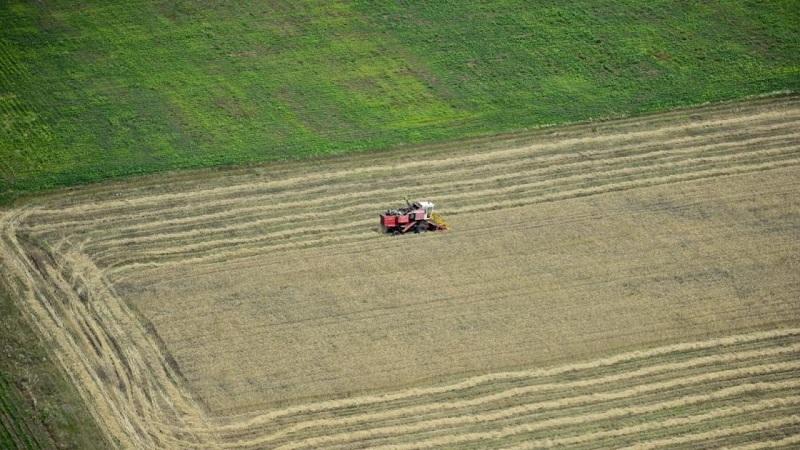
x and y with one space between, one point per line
624 283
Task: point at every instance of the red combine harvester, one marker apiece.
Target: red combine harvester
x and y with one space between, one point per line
417 217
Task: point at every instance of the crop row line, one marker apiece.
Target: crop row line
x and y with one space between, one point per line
522 194
347 206
332 202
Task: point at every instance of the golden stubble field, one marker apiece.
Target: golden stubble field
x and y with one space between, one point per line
624 283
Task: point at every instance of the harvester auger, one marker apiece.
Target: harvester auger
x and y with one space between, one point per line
417 217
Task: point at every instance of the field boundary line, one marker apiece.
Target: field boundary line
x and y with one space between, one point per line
414 164
554 159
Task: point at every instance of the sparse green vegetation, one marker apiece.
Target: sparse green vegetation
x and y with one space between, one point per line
14 429
96 89
38 406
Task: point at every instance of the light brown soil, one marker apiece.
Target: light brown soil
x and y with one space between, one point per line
260 307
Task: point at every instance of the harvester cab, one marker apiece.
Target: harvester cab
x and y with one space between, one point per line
417 217
428 207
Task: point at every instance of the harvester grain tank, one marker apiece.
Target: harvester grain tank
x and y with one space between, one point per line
417 217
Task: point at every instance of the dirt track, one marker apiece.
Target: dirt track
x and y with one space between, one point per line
226 309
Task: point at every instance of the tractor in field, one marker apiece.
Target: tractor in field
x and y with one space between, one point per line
417 217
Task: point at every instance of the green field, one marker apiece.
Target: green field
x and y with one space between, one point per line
39 408
92 89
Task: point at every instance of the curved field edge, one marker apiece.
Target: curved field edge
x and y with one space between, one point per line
187 427
188 86
187 179
122 369
761 364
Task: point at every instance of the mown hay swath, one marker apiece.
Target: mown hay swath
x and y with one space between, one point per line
623 283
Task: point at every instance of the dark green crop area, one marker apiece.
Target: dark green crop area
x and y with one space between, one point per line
97 89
